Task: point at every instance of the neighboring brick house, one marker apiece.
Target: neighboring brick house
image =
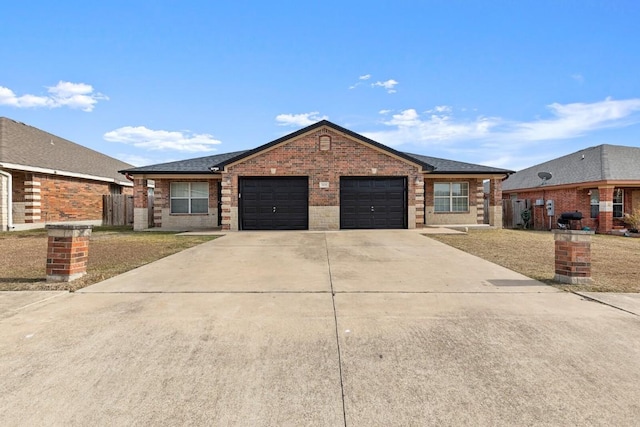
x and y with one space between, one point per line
322 177
602 182
46 179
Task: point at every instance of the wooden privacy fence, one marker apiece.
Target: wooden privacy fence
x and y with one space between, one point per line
517 213
117 209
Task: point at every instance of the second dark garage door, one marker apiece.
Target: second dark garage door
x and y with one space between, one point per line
274 203
373 202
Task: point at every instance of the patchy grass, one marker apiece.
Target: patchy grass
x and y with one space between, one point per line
112 251
614 259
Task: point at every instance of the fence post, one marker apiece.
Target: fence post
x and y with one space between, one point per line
573 256
67 251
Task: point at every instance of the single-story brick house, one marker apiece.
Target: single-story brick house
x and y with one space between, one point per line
322 177
602 182
48 179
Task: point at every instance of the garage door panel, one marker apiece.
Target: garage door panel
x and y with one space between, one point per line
274 203
379 202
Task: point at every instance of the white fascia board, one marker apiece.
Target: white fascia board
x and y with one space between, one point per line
63 173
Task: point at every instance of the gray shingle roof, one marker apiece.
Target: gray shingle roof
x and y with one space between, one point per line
600 163
452 166
26 145
197 165
204 164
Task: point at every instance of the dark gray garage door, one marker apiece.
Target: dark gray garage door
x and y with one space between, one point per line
274 203
373 202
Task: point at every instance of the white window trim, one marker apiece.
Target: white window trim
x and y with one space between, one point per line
450 197
621 203
189 198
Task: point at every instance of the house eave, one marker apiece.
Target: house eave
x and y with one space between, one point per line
47 171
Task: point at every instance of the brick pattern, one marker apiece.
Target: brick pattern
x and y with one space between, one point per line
33 201
140 193
475 214
162 198
72 199
572 199
51 198
572 257
303 157
67 254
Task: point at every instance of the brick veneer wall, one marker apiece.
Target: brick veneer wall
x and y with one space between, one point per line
162 206
69 199
303 157
44 198
475 214
572 199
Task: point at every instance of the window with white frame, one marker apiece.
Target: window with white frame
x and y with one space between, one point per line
618 202
190 197
451 196
594 196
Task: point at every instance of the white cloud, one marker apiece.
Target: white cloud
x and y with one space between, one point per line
499 142
136 160
409 127
389 85
578 77
79 96
574 120
141 137
303 119
365 77
384 112
566 121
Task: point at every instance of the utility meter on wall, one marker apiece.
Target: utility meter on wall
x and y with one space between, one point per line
549 206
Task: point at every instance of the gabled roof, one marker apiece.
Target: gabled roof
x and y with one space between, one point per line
219 161
24 146
333 126
600 163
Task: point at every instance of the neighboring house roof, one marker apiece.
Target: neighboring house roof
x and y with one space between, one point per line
206 164
25 147
600 163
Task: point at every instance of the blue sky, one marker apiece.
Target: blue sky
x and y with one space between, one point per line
502 83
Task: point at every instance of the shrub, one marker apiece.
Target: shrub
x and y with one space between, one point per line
632 219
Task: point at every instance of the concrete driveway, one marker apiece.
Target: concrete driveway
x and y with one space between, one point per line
326 329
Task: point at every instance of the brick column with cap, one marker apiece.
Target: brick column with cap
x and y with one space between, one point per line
67 252
573 256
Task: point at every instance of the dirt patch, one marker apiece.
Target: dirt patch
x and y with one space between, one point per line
111 252
614 259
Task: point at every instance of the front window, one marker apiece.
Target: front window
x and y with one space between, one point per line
595 203
618 202
189 197
451 196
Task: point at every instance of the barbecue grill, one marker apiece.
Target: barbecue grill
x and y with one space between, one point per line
566 220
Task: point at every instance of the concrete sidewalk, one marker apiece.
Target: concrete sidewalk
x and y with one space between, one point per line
337 328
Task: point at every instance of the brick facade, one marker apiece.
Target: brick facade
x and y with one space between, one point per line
43 198
323 154
162 216
303 156
572 199
475 213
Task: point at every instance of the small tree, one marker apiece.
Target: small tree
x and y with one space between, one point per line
633 220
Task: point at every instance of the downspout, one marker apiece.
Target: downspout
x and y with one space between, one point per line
9 199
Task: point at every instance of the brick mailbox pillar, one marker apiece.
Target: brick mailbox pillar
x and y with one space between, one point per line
573 256
67 252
